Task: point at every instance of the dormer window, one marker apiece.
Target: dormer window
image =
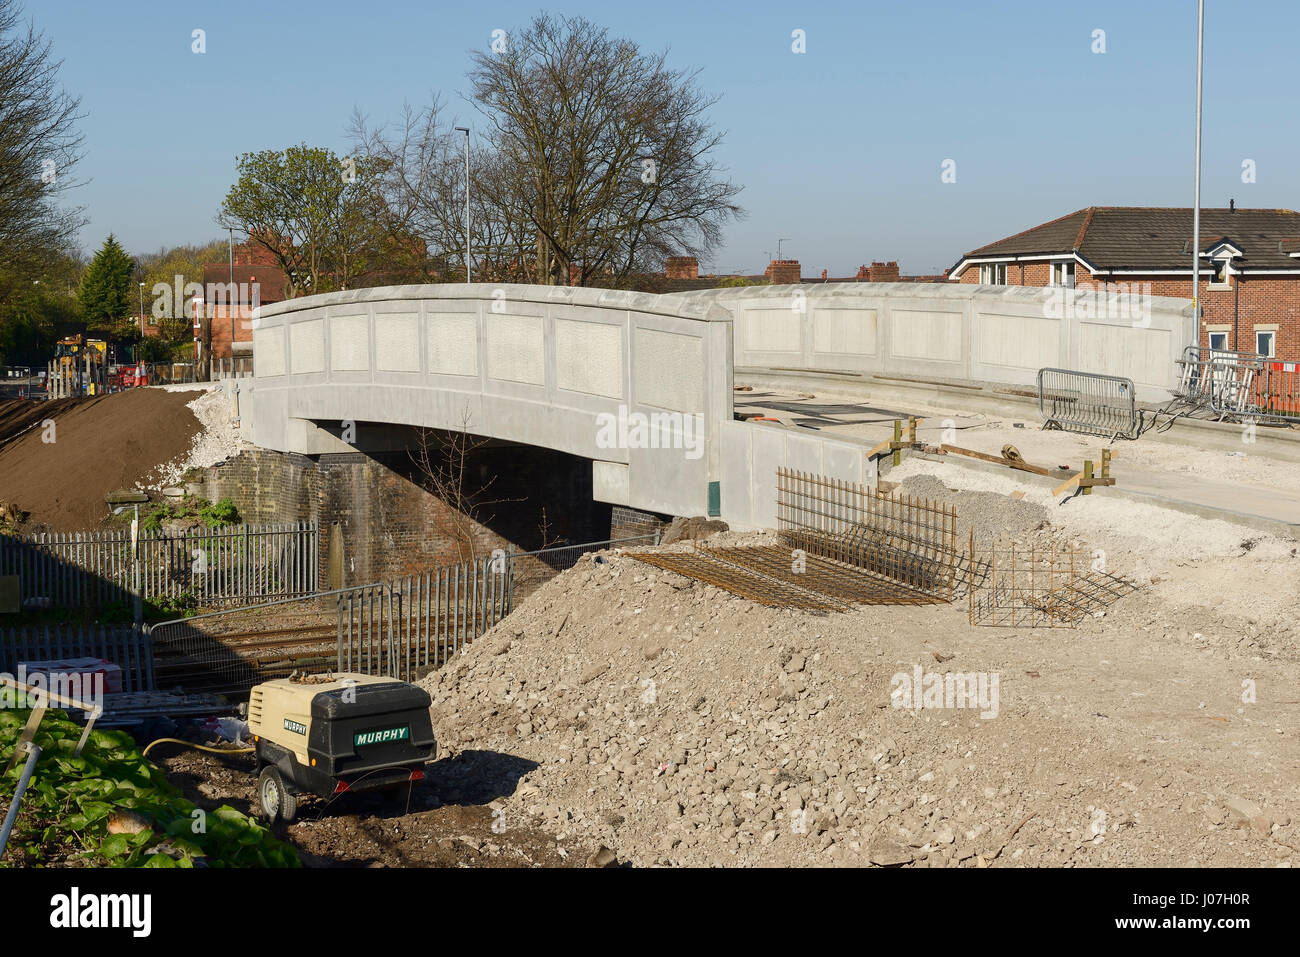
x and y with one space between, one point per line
1219 274
1220 256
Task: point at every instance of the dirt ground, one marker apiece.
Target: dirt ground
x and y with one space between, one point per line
446 822
101 444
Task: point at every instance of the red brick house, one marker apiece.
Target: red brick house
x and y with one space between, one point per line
1250 265
258 281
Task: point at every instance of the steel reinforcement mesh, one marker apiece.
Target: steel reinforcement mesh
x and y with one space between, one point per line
1041 587
842 544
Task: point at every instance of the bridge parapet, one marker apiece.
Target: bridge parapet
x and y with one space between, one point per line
629 380
959 333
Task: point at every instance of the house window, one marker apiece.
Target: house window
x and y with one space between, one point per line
1063 274
993 274
1219 274
1264 342
1219 341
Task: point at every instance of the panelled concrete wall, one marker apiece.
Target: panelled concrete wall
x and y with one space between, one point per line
641 384
633 381
998 334
753 451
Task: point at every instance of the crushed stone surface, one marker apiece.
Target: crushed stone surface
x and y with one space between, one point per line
680 725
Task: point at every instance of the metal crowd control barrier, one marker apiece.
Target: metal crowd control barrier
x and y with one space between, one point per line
1240 384
1218 379
1087 402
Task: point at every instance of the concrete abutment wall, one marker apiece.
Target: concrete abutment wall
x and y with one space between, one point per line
392 525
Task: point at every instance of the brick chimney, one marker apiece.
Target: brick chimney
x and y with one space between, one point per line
883 272
575 274
682 267
864 275
784 272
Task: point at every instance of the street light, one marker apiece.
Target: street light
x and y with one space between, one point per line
465 130
1196 192
230 296
137 351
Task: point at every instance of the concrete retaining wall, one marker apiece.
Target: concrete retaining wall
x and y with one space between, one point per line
752 452
959 333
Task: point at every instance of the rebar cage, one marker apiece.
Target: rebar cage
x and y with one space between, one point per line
1041 586
841 544
907 540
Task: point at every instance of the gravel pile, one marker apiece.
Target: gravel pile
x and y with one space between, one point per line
679 725
994 518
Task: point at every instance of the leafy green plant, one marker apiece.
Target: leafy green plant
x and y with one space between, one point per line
153 519
213 515
116 613
222 513
184 605
65 813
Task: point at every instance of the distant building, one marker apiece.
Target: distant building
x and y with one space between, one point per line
682 273
1250 265
257 281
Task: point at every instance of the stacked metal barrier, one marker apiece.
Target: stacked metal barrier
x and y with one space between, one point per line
1239 385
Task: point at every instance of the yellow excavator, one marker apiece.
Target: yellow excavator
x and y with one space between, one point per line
68 355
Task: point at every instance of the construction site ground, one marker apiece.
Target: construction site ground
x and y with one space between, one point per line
629 708
1179 472
446 822
678 724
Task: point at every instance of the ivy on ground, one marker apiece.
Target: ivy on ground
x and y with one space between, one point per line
66 810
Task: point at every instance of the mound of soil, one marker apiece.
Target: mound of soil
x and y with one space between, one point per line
19 415
101 444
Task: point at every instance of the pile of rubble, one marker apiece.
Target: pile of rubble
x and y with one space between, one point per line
677 724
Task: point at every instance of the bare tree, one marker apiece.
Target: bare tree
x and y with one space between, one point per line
39 146
605 150
420 174
445 464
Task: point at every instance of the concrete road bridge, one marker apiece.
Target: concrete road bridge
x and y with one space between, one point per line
642 384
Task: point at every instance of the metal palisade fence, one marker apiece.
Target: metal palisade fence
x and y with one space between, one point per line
215 566
401 628
127 647
420 621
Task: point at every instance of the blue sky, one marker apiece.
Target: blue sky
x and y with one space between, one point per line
839 149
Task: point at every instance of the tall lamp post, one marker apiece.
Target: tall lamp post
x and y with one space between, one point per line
137 351
1196 190
230 298
465 130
